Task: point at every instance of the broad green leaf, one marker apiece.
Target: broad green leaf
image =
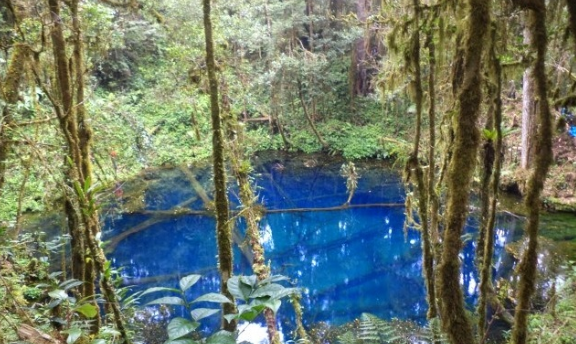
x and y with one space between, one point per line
168 300
201 313
73 335
88 310
155 289
58 294
230 317
188 281
54 303
273 278
267 290
71 283
286 292
222 337
182 341
251 280
239 290
247 312
273 305
212 297
180 327
98 341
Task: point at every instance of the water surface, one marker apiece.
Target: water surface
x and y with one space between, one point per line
347 262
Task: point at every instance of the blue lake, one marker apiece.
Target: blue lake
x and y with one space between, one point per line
347 261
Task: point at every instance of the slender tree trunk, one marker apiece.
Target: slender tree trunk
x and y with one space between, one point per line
543 158
466 141
489 221
413 168
10 88
572 18
359 80
72 117
433 201
528 111
223 230
309 117
252 216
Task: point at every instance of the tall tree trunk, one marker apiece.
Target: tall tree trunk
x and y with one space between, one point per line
309 117
242 168
465 148
488 220
72 118
528 111
10 88
543 158
223 230
433 199
359 79
572 18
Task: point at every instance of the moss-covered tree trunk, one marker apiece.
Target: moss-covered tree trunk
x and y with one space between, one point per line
223 230
528 110
543 157
252 215
72 118
572 18
492 166
459 175
9 89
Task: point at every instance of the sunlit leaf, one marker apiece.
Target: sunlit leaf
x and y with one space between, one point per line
73 335
201 313
180 327
274 278
222 337
181 341
239 290
69 284
212 297
156 289
88 310
268 290
168 300
58 294
188 281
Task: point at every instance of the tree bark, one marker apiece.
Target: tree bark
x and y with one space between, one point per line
359 74
543 158
466 141
572 18
528 111
9 88
72 118
223 230
488 220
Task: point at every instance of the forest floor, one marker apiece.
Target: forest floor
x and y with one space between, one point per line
559 192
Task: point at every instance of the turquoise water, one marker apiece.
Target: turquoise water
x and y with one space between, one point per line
347 262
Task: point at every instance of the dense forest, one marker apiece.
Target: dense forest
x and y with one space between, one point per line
467 99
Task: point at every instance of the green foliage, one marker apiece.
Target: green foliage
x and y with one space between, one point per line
373 330
180 328
256 295
557 325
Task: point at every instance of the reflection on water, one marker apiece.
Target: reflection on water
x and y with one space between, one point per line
347 262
